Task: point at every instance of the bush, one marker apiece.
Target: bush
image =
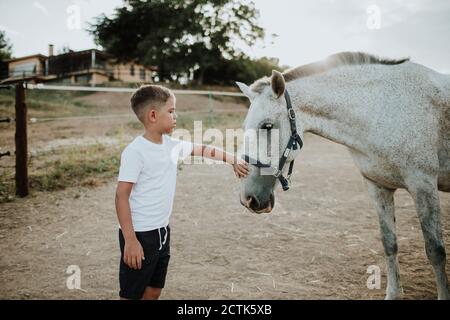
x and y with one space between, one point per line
226 72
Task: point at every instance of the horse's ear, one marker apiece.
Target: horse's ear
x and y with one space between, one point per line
246 90
278 83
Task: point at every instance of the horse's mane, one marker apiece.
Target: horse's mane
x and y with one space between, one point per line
333 61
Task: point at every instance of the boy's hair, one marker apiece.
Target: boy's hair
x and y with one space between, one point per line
149 96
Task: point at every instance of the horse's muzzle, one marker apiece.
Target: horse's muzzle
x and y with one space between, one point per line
255 205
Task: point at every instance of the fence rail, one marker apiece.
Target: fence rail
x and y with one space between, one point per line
4 154
127 90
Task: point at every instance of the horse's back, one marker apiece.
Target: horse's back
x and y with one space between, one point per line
435 85
441 92
432 89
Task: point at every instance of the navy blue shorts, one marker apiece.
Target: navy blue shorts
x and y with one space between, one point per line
156 245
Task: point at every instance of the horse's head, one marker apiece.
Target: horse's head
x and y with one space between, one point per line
267 133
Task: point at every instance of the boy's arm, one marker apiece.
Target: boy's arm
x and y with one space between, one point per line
133 252
240 166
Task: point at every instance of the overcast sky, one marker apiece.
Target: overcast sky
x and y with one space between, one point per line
308 30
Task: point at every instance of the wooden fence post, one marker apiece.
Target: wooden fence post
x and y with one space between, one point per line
21 142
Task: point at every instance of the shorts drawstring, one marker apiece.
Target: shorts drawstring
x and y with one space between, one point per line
161 243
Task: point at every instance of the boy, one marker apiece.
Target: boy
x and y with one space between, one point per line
145 192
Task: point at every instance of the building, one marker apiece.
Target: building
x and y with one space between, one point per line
29 68
89 67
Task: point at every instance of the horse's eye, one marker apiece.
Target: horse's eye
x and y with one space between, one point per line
267 126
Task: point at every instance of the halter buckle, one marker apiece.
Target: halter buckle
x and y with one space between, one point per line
291 114
277 173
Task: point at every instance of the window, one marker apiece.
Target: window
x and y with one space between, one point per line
24 69
83 79
142 74
132 70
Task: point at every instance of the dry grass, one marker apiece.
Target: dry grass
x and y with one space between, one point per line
90 166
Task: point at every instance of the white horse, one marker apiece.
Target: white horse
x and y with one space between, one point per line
394 117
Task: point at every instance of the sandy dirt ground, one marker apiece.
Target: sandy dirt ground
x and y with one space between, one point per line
317 243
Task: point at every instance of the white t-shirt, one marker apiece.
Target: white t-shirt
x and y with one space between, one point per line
153 170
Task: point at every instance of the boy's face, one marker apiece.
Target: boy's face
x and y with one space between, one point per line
166 118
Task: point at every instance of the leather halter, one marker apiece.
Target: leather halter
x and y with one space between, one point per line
295 142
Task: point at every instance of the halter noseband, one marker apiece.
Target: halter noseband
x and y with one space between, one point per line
295 142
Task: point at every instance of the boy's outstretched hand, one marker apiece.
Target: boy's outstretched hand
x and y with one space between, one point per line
240 168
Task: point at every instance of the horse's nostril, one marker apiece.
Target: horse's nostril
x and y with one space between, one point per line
249 201
253 203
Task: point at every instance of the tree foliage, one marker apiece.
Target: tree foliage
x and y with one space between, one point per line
179 37
5 47
244 69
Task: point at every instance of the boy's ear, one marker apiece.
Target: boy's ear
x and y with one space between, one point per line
151 115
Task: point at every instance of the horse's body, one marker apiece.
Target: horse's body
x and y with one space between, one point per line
394 117
395 120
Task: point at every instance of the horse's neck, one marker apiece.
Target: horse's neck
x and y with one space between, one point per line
330 111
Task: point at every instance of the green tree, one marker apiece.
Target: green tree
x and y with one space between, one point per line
226 72
5 47
179 36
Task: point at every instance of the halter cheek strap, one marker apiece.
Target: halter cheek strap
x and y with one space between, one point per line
294 143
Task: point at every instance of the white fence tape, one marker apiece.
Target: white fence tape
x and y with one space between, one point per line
41 86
